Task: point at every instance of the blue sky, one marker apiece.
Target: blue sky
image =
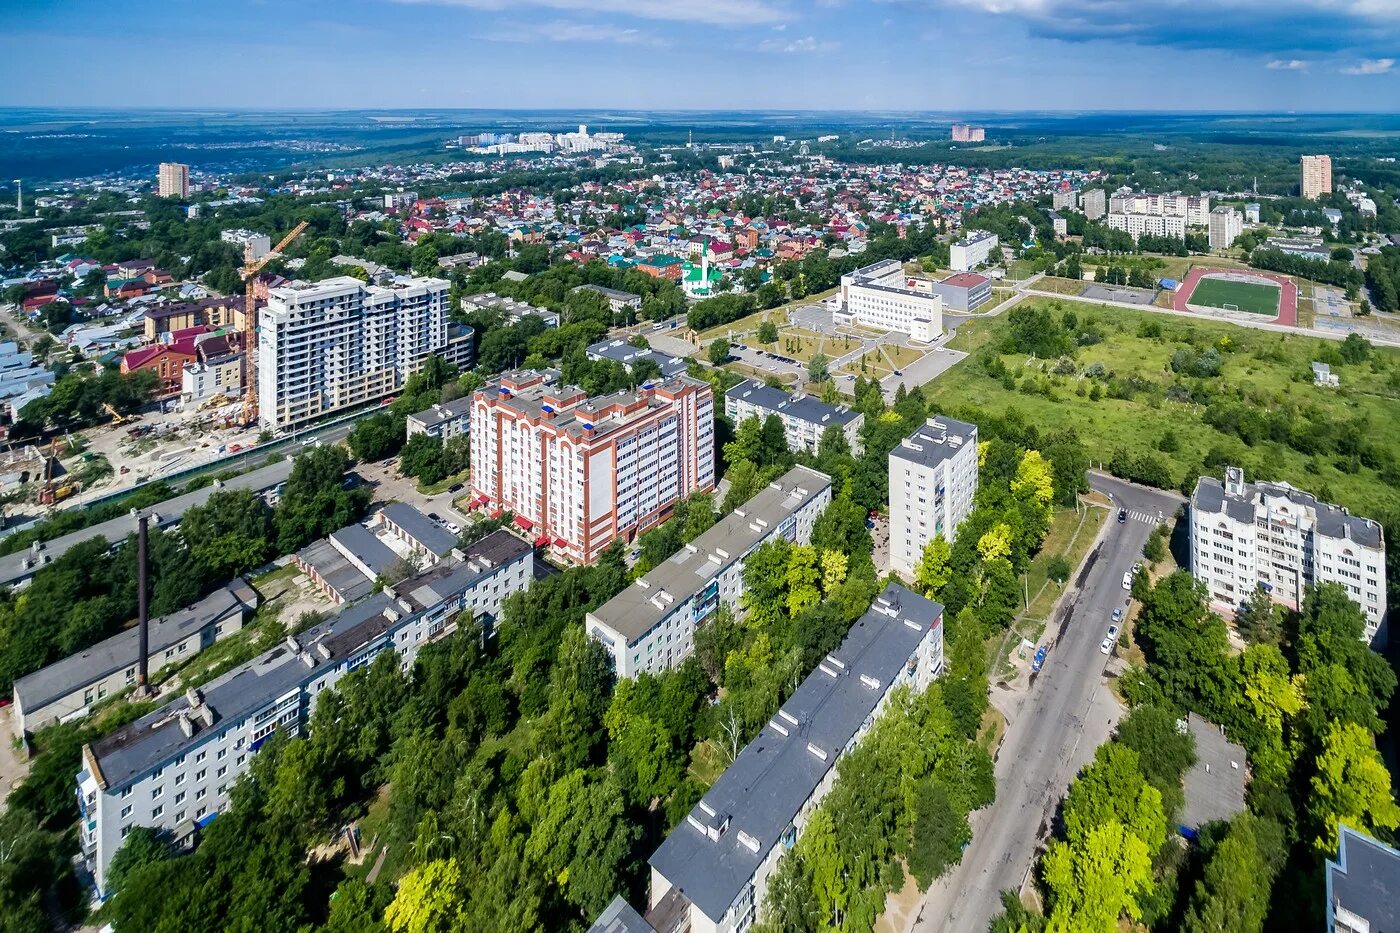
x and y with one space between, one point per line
815 54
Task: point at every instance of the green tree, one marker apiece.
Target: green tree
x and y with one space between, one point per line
940 832
718 352
767 332
1233 893
817 368
142 846
426 900
1097 878
1351 785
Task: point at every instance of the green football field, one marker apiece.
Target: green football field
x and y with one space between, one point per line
1243 296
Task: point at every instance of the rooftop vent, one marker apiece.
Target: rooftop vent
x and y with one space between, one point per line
870 682
817 752
748 842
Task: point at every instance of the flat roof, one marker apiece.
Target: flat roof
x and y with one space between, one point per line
620 917
645 602
595 413
761 793
335 570
623 352
444 411
965 280
420 528
361 543
155 738
936 440
162 515
122 650
1214 785
806 408
1365 880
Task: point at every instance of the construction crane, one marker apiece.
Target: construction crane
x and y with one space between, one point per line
251 268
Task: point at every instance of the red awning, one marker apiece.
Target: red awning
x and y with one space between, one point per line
560 543
497 513
542 541
524 522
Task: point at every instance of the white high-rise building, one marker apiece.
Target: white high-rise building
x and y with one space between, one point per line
878 295
1225 225
330 345
1137 224
1245 536
1195 210
972 251
581 472
933 480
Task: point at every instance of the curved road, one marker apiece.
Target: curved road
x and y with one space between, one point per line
1066 714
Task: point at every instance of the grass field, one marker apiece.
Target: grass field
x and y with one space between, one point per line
1267 370
1243 296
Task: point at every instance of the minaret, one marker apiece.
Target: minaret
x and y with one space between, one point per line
705 265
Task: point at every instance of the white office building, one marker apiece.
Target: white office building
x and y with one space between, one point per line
712 872
977 248
1137 224
173 769
805 418
879 296
1226 224
582 472
933 480
1245 536
650 626
334 344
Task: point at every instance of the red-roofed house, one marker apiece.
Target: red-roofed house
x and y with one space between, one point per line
166 360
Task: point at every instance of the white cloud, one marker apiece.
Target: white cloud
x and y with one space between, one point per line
1370 66
567 31
714 12
1288 64
807 44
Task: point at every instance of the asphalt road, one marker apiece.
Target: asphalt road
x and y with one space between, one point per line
1064 716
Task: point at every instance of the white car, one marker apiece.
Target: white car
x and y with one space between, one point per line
1109 639
1127 579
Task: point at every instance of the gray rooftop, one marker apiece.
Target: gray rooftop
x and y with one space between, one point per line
806 408
1365 879
936 440
13 567
646 602
446 411
421 528
611 293
144 744
776 773
347 580
620 917
1332 521
621 351
122 650
1215 783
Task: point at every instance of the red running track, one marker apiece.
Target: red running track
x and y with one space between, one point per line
1288 298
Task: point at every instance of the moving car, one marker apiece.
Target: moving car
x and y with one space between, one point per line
1109 639
1122 516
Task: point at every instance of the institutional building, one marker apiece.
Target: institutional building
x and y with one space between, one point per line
1226 224
933 480
1247 536
805 418
973 250
582 472
173 769
650 626
619 302
338 343
1363 885
1151 224
712 872
1317 175
620 351
173 180
879 296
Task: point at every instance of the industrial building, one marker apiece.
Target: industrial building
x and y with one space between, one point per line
933 480
650 626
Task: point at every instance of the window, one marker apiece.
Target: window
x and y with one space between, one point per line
199 776
199 794
126 811
221 771
156 812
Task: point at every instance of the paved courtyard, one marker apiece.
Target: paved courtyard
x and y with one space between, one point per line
1135 296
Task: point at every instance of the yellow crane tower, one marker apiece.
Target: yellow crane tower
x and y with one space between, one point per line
251 268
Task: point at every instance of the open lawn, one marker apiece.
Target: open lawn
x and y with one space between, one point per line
903 356
746 325
1146 410
1233 295
872 363
796 343
1060 286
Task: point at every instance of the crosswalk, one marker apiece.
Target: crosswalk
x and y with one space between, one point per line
1151 519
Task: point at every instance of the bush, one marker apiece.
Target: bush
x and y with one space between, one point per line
1058 568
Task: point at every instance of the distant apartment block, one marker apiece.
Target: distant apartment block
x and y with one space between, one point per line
1194 210
1270 536
173 180
211 312
805 418
1065 199
582 472
515 311
966 133
712 872
1094 203
963 291
1316 175
172 769
650 626
327 346
1058 224
397 200
1136 225
620 351
254 245
976 249
68 689
1363 885
619 302
444 421
879 296
1226 225
933 480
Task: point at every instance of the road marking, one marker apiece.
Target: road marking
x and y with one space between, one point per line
1143 517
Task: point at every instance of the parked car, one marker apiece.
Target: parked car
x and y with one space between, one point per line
1109 640
453 527
455 487
1127 579
1118 614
